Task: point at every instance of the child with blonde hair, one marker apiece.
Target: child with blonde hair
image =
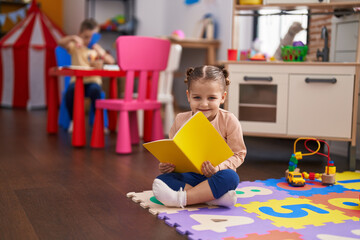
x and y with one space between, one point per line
206 91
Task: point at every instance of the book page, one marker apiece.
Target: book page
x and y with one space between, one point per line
113 67
168 152
200 141
77 67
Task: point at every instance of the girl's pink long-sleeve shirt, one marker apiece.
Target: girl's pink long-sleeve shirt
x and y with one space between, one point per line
229 128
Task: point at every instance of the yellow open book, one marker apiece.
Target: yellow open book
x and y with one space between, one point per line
196 141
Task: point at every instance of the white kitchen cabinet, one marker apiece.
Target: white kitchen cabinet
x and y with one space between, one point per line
296 99
260 101
320 105
330 110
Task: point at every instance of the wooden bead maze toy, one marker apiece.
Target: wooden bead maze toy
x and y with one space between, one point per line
297 179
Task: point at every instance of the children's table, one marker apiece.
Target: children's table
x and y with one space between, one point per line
78 136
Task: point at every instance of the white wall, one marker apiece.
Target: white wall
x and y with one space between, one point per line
151 17
162 17
74 14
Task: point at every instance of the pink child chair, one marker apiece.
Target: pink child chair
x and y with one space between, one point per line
145 55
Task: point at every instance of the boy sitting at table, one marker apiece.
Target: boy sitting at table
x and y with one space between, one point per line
81 55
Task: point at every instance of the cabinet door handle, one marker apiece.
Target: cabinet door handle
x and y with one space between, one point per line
247 78
321 80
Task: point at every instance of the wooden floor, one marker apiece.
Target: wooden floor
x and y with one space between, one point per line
50 190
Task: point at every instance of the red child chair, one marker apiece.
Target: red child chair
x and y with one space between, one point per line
145 55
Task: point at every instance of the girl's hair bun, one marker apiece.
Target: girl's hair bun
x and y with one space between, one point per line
227 81
189 71
226 74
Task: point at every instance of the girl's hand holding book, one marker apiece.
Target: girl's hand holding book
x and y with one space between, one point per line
166 167
208 169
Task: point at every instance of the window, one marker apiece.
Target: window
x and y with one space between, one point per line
272 26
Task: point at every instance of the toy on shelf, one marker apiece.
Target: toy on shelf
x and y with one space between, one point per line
255 51
294 53
179 34
288 39
297 179
120 24
112 24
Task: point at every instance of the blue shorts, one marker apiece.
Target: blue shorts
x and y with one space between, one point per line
220 183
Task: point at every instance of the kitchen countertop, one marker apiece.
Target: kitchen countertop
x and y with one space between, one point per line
310 63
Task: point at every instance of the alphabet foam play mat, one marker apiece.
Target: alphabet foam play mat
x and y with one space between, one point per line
271 209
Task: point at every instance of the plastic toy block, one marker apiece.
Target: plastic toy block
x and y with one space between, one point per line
146 200
292 164
346 202
293 160
217 223
292 168
248 192
298 155
296 213
274 234
349 180
348 230
332 169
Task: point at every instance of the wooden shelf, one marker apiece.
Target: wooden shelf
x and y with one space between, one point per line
195 42
209 45
292 6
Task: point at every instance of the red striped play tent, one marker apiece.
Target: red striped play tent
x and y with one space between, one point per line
26 54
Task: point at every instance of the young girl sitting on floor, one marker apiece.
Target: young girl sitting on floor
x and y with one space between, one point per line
206 91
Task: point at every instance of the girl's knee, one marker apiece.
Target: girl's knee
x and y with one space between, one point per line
232 178
235 178
168 177
223 181
163 177
173 180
